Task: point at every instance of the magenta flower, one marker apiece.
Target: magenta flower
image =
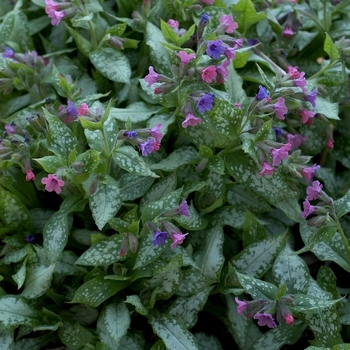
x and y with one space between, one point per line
156 132
262 93
159 238
311 97
301 82
56 17
296 140
222 71
265 320
152 77
280 108
147 147
191 120
266 169
230 53
227 20
52 183
10 128
51 6
242 306
173 24
208 2
215 48
306 116
310 172
287 32
278 154
293 72
8 53
205 103
330 144
209 74
289 319
83 109
314 190
183 208
185 57
237 105
177 238
30 175
308 209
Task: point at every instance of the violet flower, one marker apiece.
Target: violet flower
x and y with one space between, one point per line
266 169
314 190
159 238
152 77
242 306
185 57
177 238
191 120
310 172
265 320
311 97
262 93
147 147
307 116
308 209
279 154
229 24
215 48
8 53
205 103
280 108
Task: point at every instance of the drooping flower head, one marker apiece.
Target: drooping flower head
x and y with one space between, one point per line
159 238
147 147
71 110
156 132
289 319
215 48
278 132
242 306
209 74
296 140
330 143
308 209
311 97
301 81
152 77
314 190
229 24
177 238
278 154
191 120
205 103
310 172
185 57
280 108
267 169
287 32
265 320
222 71
262 93
307 116
83 109
30 175
173 24
52 183
131 134
183 208
10 128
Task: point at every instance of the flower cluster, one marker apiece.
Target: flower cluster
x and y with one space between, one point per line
59 10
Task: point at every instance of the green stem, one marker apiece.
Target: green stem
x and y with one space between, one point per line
324 69
343 237
108 153
325 22
277 68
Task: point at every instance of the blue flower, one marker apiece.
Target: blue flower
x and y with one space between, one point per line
205 103
263 93
205 18
159 238
8 53
131 134
147 147
30 239
215 48
71 110
279 132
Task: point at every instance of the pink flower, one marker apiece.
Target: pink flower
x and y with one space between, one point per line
288 32
308 209
306 116
265 320
237 105
173 24
50 6
266 169
289 319
227 20
209 74
314 191
10 128
177 238
83 109
278 154
301 82
309 172
293 72
185 57
222 71
296 140
208 2
191 120
156 132
56 17
30 175
330 144
52 183
151 77
242 306
280 108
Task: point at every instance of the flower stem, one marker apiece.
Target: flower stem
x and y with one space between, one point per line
343 237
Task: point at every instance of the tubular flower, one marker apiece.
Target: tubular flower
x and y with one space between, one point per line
209 74
191 120
314 190
278 154
52 183
151 77
265 320
308 209
215 48
266 169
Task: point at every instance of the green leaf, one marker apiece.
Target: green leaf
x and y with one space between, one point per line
20 276
328 109
230 216
61 139
233 86
137 112
330 48
51 163
311 303
6 340
105 252
194 223
193 281
174 334
129 159
256 288
38 281
247 15
243 169
136 301
83 44
158 53
185 309
112 64
97 290
106 200
89 161
291 270
253 230
257 258
207 342
209 257
134 186
327 280
168 32
181 156
342 205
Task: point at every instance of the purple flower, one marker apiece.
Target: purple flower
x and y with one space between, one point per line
278 154
265 320
308 209
215 48
229 24
151 77
310 172
183 209
230 53
279 132
242 306
185 57
311 97
10 128
223 71
131 134
300 81
8 53
191 120
30 239
296 140
156 132
205 103
314 191
71 110
263 93
280 108
177 238
147 147
159 238
307 116
205 18
252 42
266 169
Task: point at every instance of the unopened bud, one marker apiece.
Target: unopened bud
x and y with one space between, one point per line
77 167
